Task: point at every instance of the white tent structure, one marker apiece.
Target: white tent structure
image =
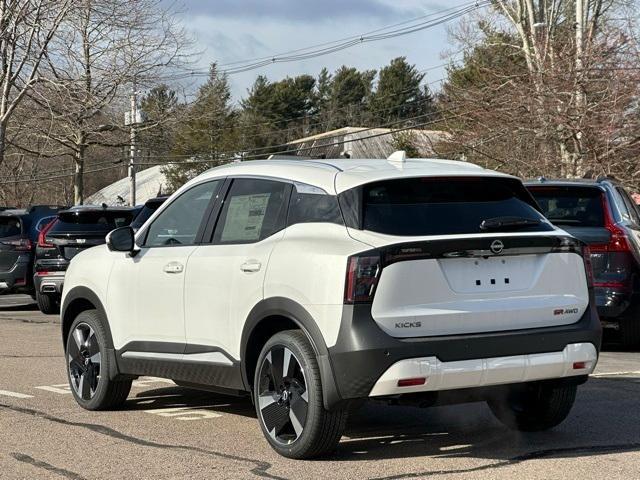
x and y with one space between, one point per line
149 184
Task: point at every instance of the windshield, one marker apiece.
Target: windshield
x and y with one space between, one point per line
448 206
90 221
145 213
10 227
571 205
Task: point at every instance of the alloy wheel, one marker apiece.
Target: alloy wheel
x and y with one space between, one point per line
84 358
283 399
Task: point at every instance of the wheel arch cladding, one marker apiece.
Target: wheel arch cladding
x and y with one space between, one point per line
276 314
78 300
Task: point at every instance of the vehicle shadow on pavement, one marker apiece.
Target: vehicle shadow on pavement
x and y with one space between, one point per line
175 397
377 431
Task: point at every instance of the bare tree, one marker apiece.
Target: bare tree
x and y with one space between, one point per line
103 49
27 28
548 87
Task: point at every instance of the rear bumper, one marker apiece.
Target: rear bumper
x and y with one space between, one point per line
16 278
577 359
363 352
50 284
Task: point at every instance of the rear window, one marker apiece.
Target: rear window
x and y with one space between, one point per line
145 213
91 221
572 206
10 227
447 206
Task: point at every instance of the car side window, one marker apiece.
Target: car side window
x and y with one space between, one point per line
630 206
178 224
253 210
310 204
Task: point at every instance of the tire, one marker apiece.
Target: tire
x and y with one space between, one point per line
88 364
629 327
294 423
534 407
48 304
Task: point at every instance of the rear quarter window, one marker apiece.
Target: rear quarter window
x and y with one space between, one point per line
312 205
443 206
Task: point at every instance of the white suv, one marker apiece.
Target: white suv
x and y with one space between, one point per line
314 285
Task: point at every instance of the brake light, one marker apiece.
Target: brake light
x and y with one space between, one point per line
588 267
362 277
42 236
618 241
21 245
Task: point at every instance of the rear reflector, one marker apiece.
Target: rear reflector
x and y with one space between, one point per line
20 281
412 382
579 365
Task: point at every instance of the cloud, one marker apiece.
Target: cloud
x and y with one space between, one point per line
310 11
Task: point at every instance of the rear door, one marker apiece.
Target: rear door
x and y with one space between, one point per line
466 255
225 277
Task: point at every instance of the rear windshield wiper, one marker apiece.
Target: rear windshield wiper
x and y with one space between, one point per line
497 223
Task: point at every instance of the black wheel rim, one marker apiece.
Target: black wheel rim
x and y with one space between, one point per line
83 355
283 400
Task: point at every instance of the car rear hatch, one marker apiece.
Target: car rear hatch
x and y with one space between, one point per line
584 212
12 241
460 256
77 230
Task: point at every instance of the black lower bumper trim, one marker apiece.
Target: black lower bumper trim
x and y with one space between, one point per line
364 352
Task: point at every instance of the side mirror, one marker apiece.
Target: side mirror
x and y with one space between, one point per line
121 240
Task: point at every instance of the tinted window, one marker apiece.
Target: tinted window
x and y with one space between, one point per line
253 210
310 204
178 224
10 227
630 207
90 221
445 206
145 213
568 205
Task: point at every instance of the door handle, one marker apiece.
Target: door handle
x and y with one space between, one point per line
251 266
173 267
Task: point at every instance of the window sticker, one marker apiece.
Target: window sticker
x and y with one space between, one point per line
244 217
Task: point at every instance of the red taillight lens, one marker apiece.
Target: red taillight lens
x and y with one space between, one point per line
21 245
412 382
42 236
588 267
362 278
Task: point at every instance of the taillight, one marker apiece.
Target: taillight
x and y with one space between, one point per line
363 272
588 267
21 245
42 236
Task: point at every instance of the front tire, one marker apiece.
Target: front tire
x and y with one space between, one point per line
88 364
288 398
48 304
534 407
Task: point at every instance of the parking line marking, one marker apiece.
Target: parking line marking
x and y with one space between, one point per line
615 374
185 413
7 393
61 388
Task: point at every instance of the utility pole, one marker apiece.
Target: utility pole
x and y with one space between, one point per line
580 96
132 147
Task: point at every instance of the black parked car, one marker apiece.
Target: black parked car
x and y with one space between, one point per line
602 214
147 210
19 229
73 231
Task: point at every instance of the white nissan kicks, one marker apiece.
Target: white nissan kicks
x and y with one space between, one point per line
314 285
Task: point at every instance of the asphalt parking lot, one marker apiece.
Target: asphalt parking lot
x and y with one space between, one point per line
166 431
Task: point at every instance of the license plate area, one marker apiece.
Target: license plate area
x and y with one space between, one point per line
492 274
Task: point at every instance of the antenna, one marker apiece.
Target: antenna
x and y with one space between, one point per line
398 156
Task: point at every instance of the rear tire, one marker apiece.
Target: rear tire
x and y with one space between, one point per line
48 304
535 407
288 397
88 364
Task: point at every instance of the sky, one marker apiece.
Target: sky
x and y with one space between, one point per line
231 30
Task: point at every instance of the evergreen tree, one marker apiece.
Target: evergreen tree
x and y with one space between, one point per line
208 137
